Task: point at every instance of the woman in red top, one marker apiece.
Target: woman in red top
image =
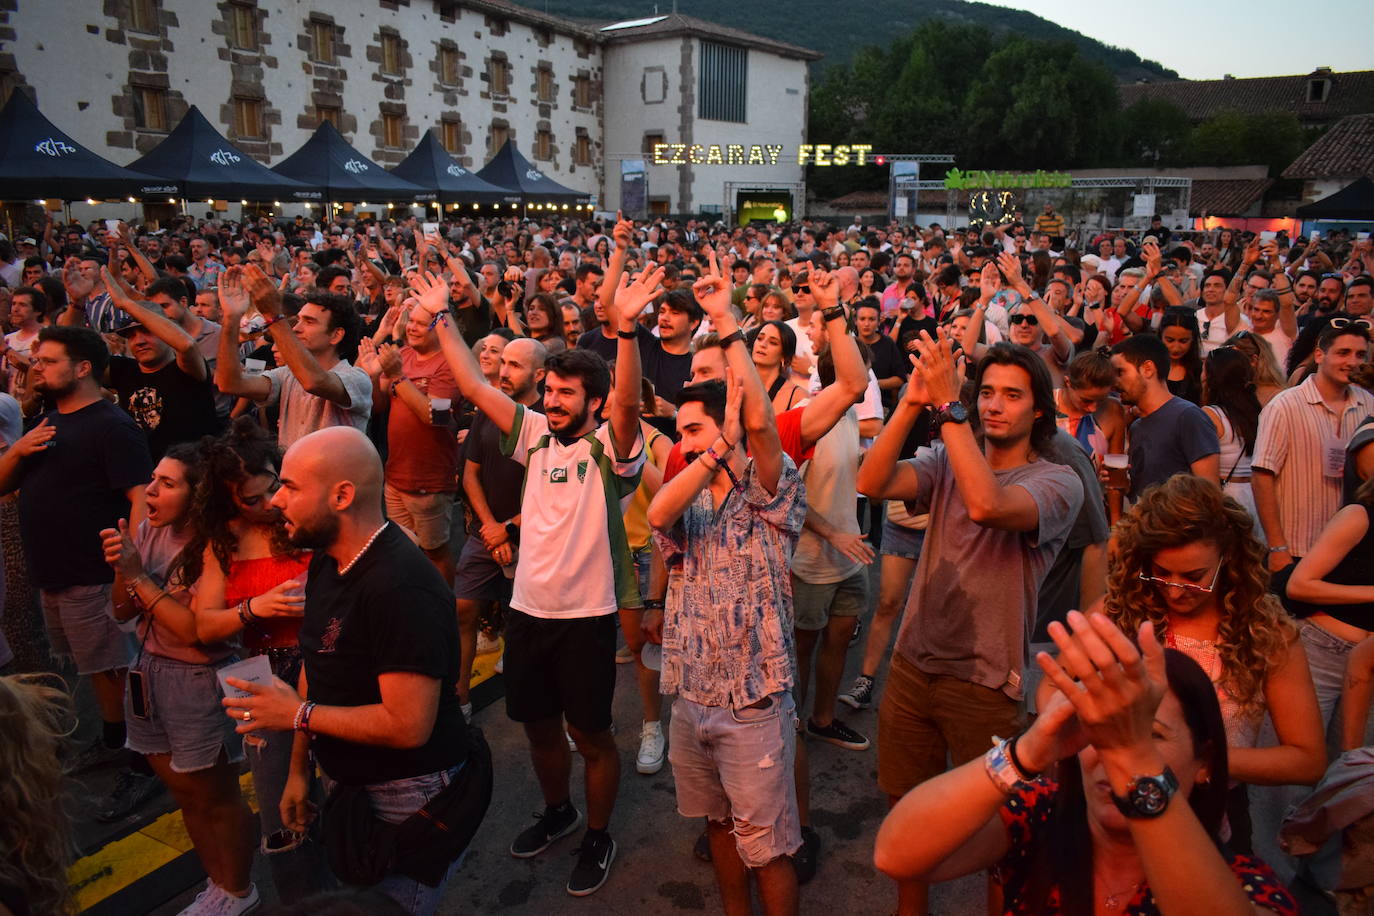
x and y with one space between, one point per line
250 586
1110 803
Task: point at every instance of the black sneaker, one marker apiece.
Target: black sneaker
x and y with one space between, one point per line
804 859
838 734
131 791
547 828
860 696
702 847
93 755
594 858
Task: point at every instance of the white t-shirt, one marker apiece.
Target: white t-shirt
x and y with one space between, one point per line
803 340
1281 343
574 555
1213 330
302 413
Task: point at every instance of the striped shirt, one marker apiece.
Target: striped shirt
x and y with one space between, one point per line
1294 431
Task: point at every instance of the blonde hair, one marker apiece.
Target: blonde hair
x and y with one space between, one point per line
35 835
1254 633
1261 355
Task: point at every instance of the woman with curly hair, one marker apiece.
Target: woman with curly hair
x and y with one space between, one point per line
35 835
251 585
1188 561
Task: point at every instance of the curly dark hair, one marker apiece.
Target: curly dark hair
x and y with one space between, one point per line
244 451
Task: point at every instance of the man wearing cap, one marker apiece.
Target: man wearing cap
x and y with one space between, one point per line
165 386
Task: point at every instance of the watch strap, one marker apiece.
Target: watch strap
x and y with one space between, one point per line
731 338
627 335
833 312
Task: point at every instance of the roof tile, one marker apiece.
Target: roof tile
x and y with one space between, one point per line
1344 151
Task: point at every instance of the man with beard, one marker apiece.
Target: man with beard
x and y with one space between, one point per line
667 359
492 484
164 383
1304 292
1172 435
375 702
78 472
576 570
1004 513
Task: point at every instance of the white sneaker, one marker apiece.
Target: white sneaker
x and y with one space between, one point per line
229 905
487 644
653 748
202 901
501 664
467 712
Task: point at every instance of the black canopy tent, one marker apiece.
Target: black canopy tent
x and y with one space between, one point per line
430 166
1355 201
327 162
38 161
199 159
508 169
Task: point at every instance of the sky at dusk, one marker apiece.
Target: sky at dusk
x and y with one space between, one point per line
1204 40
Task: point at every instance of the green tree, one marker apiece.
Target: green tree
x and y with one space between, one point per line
1273 138
1155 133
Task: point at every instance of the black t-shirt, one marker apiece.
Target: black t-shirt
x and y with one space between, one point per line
392 612
168 405
908 328
599 343
668 371
75 488
503 478
888 362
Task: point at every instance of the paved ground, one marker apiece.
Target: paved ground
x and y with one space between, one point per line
655 871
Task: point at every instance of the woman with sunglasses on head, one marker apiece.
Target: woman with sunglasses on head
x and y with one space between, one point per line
1228 399
1179 331
772 345
1111 802
1188 561
172 702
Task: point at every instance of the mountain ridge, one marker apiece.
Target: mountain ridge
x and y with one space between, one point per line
804 19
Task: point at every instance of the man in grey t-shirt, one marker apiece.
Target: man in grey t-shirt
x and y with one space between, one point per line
999 514
315 388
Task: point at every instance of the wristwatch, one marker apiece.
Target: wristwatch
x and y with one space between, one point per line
951 412
833 312
1148 796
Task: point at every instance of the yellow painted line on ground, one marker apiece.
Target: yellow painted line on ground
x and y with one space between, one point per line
118 864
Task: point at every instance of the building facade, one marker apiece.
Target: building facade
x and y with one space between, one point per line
577 98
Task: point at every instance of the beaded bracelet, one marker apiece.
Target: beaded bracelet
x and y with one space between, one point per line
302 723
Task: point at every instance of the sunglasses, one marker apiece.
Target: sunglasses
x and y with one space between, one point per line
805 290
1023 319
1186 586
1347 322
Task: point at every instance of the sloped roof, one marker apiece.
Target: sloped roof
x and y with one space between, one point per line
1352 92
1228 197
1355 201
678 24
1344 151
861 200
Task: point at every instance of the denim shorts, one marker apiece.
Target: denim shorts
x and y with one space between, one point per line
81 626
736 765
901 541
185 718
479 577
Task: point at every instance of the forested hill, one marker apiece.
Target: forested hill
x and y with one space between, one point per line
814 24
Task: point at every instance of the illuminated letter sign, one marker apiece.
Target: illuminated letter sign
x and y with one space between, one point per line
956 180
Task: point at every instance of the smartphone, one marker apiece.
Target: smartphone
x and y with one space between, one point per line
112 225
1316 235
1362 236
430 228
138 693
1268 236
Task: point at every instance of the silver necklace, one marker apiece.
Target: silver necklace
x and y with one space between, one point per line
359 555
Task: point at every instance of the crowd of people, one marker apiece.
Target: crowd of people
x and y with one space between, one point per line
272 486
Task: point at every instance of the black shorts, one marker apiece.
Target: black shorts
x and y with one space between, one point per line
560 667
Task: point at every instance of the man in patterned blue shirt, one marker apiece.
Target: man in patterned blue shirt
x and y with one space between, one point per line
727 524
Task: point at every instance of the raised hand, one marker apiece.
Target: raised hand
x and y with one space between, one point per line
1010 266
234 300
825 288
262 291
120 551
367 358
389 358
431 292
937 367
1114 687
989 282
287 599
633 295
1252 252
732 430
624 231
1154 261
712 291
77 285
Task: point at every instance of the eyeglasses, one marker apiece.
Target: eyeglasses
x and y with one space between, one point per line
1346 322
1334 276
1186 586
803 290
1023 319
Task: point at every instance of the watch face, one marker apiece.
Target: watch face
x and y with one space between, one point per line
958 413
1150 797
